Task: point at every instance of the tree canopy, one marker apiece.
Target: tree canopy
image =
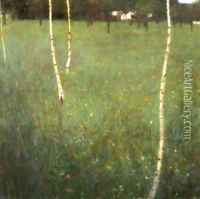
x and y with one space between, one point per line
80 8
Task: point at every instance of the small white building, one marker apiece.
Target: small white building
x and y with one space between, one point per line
149 15
187 1
196 22
123 17
120 15
116 13
128 16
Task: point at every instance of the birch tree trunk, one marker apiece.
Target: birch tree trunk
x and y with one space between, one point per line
69 37
160 154
53 53
2 34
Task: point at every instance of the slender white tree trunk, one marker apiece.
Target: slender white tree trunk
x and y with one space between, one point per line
160 155
55 65
69 37
2 35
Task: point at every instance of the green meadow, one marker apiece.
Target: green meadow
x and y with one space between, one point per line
102 142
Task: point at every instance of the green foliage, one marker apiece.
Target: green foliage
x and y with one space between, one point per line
80 9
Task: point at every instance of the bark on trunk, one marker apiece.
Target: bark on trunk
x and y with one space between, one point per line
53 53
2 34
160 154
69 37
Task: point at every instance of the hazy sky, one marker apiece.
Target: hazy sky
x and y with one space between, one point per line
187 1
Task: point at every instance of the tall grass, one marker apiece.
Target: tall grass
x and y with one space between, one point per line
102 142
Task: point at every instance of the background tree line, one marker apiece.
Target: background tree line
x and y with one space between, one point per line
97 9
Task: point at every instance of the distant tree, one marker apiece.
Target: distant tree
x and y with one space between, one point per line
93 8
143 8
78 9
37 10
87 9
106 9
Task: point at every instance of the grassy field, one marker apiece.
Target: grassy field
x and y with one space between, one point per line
102 142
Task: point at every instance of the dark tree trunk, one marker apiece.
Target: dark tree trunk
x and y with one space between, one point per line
108 22
4 18
138 24
41 13
89 22
131 22
191 26
146 25
40 21
108 26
